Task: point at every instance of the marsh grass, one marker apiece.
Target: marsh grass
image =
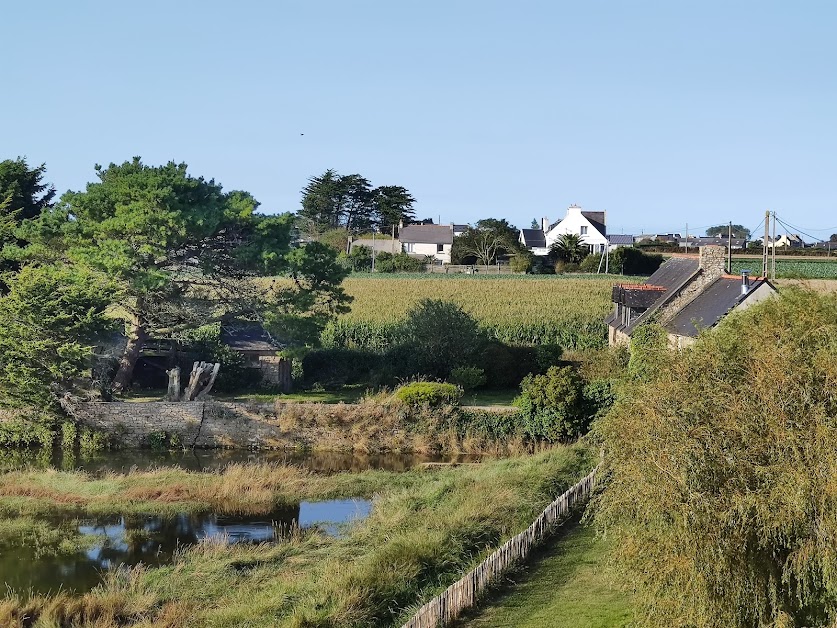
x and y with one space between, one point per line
425 530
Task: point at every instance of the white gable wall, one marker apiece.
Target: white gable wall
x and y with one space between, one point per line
576 223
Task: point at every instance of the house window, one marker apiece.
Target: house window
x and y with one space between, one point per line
584 231
409 246
440 248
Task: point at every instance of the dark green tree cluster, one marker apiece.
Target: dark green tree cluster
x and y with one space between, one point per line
738 231
485 243
351 203
160 251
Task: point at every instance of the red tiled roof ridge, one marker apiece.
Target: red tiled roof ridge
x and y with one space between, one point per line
641 286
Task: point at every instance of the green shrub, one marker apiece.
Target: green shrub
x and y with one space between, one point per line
547 355
521 262
552 405
91 440
649 345
468 377
590 264
398 263
599 397
628 260
431 394
441 336
69 434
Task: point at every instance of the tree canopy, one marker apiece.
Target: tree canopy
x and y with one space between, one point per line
569 247
334 201
738 231
182 253
485 242
720 474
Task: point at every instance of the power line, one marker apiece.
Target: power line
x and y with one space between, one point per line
792 228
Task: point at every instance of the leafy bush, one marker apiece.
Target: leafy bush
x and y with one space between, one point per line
522 262
547 355
442 337
599 397
398 263
468 377
552 405
590 264
431 394
649 345
360 259
628 260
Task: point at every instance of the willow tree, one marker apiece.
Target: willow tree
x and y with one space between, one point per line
182 251
720 471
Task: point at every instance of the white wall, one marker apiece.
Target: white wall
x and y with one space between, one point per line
576 223
431 250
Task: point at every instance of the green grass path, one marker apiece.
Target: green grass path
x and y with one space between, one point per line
566 586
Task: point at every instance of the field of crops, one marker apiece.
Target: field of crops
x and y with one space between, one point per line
514 309
792 268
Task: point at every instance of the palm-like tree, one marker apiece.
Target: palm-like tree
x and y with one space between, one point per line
570 248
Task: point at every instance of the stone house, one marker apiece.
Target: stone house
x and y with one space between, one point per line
685 295
259 350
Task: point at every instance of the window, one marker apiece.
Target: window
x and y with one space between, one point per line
409 246
440 248
584 231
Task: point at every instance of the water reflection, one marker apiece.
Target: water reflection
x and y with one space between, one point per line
214 459
153 540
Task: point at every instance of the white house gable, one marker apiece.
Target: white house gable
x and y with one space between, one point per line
589 226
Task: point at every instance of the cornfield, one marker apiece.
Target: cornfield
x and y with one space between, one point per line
518 310
791 268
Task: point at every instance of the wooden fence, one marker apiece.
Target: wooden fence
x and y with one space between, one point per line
463 594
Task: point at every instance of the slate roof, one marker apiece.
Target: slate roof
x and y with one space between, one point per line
247 337
534 238
710 306
670 276
597 219
620 238
426 234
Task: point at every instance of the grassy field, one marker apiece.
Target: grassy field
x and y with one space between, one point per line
528 309
425 530
791 269
567 586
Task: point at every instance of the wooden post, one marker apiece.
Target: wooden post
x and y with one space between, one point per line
173 393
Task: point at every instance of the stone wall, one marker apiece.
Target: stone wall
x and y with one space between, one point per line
713 261
213 424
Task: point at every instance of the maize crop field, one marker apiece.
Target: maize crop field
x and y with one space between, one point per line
517 309
791 268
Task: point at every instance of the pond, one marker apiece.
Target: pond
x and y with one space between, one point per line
214 459
110 541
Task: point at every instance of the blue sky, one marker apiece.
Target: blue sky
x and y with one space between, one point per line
660 113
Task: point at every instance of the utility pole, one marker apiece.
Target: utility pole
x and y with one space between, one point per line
764 244
729 248
773 273
373 250
607 258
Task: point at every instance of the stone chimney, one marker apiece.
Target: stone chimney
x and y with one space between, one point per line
713 261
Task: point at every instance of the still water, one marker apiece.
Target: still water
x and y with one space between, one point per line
111 541
214 459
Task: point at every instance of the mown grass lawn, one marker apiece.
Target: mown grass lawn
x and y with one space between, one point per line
567 586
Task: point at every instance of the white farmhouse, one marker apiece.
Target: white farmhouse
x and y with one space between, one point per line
433 241
589 226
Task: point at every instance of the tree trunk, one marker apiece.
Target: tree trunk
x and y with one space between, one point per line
174 384
136 341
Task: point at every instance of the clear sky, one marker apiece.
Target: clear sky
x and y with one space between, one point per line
661 113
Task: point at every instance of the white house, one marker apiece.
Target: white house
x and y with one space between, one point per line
433 241
589 226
